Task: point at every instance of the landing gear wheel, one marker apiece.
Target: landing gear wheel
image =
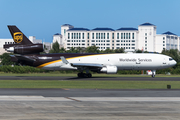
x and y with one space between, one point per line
153 75
89 75
80 75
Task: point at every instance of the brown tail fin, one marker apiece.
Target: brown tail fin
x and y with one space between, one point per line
18 36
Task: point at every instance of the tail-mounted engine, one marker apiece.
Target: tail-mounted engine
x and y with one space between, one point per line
24 49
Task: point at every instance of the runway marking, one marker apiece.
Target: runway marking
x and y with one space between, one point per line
93 99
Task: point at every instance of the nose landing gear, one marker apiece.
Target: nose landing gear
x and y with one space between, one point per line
153 73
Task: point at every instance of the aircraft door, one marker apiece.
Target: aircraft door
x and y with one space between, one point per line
137 65
164 61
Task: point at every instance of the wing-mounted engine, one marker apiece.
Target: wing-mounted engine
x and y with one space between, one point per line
24 49
109 69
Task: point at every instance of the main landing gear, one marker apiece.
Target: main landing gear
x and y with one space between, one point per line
84 75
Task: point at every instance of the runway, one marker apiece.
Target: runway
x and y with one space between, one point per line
89 104
148 78
90 92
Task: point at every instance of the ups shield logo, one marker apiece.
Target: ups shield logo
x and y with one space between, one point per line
18 37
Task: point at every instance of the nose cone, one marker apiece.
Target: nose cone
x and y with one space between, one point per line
174 62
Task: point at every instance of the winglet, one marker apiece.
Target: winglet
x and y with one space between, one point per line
64 60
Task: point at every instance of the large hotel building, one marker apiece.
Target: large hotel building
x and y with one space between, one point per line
131 39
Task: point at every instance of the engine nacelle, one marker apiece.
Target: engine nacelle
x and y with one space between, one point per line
26 49
109 69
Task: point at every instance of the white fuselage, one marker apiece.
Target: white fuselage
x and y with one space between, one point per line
138 61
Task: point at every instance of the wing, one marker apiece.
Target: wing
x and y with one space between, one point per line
90 66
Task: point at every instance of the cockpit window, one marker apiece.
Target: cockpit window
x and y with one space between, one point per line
170 59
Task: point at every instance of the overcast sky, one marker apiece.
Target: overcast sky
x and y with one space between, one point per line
43 18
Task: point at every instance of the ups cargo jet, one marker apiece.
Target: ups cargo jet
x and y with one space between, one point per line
27 53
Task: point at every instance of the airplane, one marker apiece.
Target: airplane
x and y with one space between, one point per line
27 53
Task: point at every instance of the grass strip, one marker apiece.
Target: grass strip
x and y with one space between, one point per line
89 84
75 75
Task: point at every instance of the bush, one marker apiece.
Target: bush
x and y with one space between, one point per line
20 69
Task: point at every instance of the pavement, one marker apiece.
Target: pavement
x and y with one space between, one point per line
90 104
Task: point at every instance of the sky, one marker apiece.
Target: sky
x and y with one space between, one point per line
43 18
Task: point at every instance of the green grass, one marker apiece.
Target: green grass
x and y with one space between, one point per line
89 84
75 75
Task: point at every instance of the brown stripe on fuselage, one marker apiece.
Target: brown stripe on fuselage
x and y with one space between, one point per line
53 58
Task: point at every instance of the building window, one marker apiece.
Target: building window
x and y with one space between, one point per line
96 35
71 35
107 35
133 36
112 35
74 35
68 35
83 40
92 35
83 36
163 41
126 35
117 40
101 35
88 35
92 40
79 35
104 36
163 44
145 41
129 35
145 44
145 38
117 35
121 35
163 38
5 42
145 34
64 32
